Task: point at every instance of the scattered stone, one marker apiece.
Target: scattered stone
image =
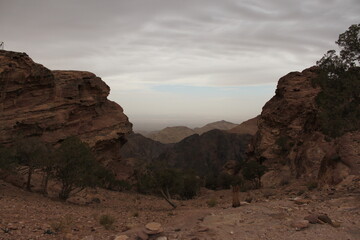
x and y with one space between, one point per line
88 238
300 201
153 228
325 218
312 218
48 231
336 224
162 238
121 237
142 235
203 229
300 225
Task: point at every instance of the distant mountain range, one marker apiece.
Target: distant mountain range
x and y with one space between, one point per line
178 133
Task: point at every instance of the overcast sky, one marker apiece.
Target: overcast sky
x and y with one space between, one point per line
179 62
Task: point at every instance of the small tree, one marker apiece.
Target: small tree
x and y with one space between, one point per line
166 181
47 164
349 42
339 79
31 152
253 171
76 167
7 159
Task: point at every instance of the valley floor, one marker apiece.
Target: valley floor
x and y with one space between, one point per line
272 214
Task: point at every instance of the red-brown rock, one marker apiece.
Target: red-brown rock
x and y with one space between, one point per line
35 101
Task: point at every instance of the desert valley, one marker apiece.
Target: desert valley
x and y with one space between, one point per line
72 166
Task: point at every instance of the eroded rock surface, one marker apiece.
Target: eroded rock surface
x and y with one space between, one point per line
289 140
35 101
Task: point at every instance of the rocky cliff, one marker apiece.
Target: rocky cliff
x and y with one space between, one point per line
290 142
35 101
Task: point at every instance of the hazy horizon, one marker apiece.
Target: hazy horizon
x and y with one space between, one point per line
185 62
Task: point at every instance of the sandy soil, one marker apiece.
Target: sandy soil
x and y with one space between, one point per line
271 215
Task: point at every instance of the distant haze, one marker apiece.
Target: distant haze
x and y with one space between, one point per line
171 62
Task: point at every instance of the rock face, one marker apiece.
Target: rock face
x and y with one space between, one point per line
289 140
35 101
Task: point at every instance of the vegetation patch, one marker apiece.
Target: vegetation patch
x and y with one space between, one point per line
107 221
339 80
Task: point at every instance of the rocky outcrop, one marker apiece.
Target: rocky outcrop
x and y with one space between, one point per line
35 101
289 140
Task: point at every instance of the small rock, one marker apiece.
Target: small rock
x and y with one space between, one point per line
203 229
336 224
300 225
121 237
153 226
162 238
142 235
300 201
88 238
325 218
68 236
312 218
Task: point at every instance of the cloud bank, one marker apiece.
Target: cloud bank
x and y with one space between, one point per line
138 45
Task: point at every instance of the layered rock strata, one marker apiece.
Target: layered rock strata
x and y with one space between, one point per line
289 140
35 101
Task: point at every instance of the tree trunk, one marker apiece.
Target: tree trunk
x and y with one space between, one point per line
45 183
28 182
235 196
167 198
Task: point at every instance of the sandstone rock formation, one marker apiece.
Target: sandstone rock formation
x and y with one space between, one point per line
35 101
289 140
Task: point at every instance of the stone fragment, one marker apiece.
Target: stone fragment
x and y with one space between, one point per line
121 237
153 226
312 218
161 238
300 225
325 218
142 235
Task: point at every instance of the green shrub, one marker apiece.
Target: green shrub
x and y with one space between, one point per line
107 221
212 202
311 185
7 159
158 178
339 80
253 171
76 167
63 224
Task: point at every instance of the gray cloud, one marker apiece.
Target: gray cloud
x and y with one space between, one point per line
134 43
